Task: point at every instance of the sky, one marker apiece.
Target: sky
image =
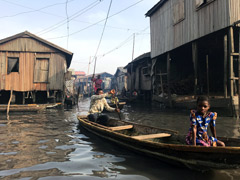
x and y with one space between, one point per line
112 31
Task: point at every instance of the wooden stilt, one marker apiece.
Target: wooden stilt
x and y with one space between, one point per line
225 41
238 71
9 103
231 50
233 99
168 79
34 97
23 99
195 62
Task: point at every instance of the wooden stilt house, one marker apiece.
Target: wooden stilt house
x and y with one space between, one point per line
138 75
32 68
195 47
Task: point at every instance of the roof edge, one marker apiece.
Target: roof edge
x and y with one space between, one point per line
155 8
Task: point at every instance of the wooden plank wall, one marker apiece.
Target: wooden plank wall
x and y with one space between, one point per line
22 80
57 68
26 45
28 49
2 70
165 35
234 6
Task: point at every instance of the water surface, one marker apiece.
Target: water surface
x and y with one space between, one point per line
49 145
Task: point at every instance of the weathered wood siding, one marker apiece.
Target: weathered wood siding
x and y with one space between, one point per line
22 80
169 32
29 50
145 82
2 70
57 68
234 7
26 45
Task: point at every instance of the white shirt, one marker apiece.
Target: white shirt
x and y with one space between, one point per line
98 103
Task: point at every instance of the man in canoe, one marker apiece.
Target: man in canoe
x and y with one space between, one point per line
199 120
98 103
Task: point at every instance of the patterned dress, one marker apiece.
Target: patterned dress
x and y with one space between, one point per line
202 138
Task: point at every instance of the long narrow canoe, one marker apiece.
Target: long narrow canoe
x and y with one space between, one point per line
166 145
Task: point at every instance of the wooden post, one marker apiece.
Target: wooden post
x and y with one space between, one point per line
195 62
207 75
225 41
88 90
231 73
231 49
23 100
34 97
168 79
239 71
161 82
9 103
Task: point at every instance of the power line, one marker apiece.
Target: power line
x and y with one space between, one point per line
66 9
75 15
102 35
33 10
99 21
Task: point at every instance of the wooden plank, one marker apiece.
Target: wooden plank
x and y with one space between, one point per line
151 136
118 128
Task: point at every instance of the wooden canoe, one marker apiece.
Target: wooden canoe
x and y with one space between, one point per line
166 145
22 108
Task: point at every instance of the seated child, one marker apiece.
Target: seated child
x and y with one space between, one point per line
200 119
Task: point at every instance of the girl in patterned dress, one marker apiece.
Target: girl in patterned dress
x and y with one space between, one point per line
200 119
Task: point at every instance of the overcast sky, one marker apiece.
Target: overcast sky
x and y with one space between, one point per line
77 25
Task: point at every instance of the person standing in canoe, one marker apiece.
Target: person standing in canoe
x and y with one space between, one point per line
97 82
200 119
98 103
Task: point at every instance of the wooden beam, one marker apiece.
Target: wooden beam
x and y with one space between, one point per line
168 80
207 68
225 41
151 136
118 128
231 50
239 71
195 63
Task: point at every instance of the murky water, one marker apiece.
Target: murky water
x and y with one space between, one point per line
49 145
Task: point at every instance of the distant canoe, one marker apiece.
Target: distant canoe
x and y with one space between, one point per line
166 145
21 108
28 107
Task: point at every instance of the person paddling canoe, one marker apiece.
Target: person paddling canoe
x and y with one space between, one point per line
98 103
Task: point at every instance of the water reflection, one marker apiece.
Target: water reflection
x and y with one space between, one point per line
49 145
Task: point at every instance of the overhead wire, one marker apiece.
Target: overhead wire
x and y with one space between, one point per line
66 10
99 21
40 10
75 15
102 35
33 10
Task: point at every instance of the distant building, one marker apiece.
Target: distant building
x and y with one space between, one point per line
33 68
119 79
139 75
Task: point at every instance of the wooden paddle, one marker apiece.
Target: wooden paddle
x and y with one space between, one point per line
119 115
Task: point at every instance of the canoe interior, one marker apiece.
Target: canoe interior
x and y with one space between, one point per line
175 138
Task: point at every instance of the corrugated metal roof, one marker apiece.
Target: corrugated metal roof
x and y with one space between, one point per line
26 33
145 55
